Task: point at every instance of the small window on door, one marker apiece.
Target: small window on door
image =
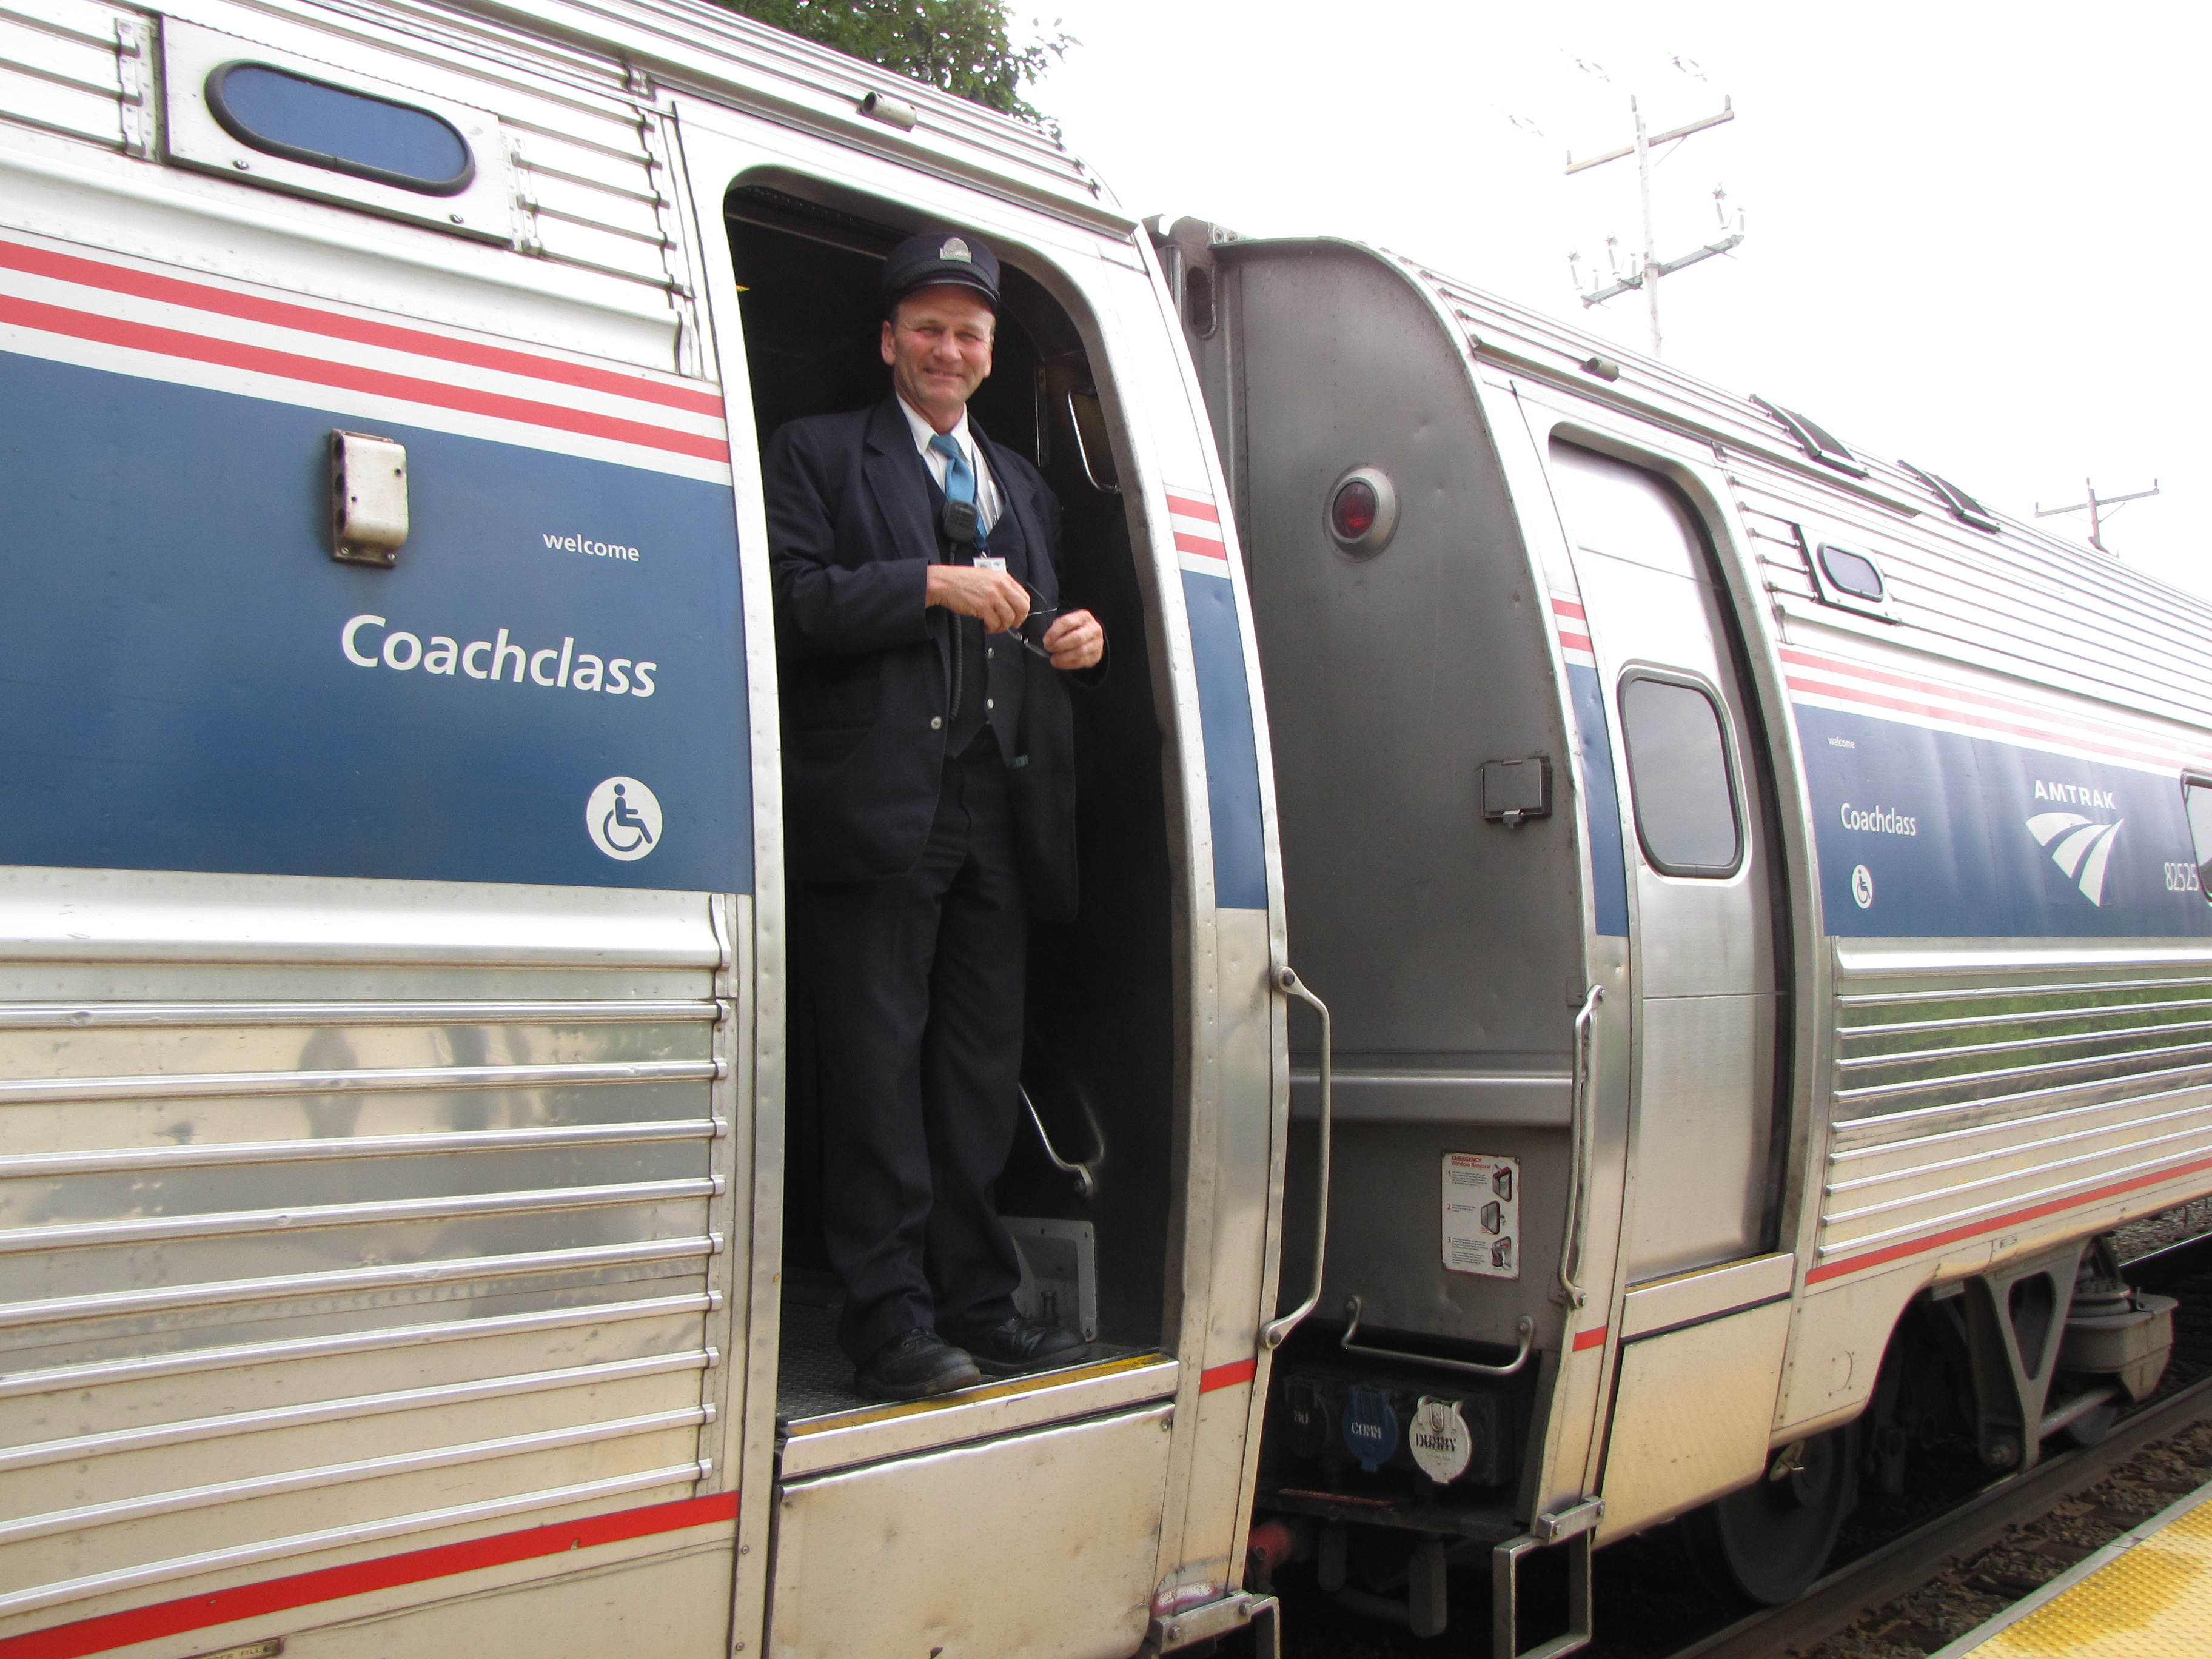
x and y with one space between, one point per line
1679 774
2199 798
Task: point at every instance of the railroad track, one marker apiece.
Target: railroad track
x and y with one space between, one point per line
1914 1558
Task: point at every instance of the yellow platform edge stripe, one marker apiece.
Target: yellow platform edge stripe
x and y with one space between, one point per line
2147 1595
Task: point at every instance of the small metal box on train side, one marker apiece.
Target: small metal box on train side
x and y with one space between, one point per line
1342 1420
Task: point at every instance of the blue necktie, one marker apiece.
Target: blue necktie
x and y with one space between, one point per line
959 477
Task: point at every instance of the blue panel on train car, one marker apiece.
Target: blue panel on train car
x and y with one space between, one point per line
1935 834
190 683
1601 809
1232 756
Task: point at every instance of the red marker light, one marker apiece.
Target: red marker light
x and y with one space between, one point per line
1353 511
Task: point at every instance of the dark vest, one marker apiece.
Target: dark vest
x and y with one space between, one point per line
986 677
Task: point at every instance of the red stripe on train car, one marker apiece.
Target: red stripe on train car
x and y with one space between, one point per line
278 314
1595 1339
1569 608
1191 508
116 1630
1959 717
1576 642
1228 1376
290 366
1962 694
1187 543
2014 1218
2065 729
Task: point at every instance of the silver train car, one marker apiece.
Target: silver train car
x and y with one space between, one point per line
1761 894
406 1214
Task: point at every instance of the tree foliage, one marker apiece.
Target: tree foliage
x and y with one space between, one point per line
962 46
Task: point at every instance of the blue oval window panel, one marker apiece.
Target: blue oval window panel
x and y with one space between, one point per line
301 119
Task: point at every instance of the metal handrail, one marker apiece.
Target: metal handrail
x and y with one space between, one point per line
1273 1333
1526 1330
1583 1087
1086 1182
1082 449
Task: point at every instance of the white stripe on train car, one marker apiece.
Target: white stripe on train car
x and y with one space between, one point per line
1195 523
136 317
1823 680
1573 622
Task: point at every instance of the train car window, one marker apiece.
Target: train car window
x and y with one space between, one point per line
1679 777
1815 439
1956 501
303 119
2199 798
1854 572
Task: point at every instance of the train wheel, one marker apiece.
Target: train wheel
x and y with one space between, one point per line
2091 1426
1769 1541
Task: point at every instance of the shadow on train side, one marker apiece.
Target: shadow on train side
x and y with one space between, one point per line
1098 1062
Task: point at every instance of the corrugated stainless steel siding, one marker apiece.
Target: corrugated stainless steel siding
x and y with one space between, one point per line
370 1244
708 49
1969 1090
60 69
2020 602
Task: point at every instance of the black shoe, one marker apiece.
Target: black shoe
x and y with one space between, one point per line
915 1366
1024 1345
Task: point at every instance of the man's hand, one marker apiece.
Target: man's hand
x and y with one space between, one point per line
1076 641
1000 601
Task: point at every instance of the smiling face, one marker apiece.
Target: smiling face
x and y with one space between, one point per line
938 346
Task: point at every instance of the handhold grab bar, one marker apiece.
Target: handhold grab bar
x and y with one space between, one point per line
1526 1330
1086 1182
1579 1110
1273 1333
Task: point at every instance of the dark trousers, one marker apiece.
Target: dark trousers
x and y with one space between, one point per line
916 986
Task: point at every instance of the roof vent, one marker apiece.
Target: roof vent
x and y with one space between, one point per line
1961 506
1815 440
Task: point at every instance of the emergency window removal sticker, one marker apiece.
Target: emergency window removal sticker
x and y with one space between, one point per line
1482 1214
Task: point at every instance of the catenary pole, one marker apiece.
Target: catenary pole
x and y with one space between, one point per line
1651 272
2095 505
1647 274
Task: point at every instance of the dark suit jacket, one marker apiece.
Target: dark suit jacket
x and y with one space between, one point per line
865 667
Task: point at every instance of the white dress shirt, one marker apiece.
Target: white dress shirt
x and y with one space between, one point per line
988 503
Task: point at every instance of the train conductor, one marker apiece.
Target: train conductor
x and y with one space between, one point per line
929 808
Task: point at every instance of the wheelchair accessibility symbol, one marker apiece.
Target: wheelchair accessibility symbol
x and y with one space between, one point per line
623 817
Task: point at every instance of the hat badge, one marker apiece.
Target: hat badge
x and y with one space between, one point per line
954 248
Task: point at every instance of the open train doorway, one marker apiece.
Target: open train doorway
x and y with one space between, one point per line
1087 1190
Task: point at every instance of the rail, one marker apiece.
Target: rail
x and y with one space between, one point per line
1584 1085
1526 1330
1907 1562
1272 1334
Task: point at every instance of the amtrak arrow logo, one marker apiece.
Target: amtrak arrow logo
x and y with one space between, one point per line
2084 847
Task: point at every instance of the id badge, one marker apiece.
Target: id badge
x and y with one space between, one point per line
990 562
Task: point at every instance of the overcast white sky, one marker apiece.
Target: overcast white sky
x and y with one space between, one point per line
1977 234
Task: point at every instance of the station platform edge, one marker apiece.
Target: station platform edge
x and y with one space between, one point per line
2147 1595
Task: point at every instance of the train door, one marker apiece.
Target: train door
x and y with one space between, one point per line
1074 1512
1700 1319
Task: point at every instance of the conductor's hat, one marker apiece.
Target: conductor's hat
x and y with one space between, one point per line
940 256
